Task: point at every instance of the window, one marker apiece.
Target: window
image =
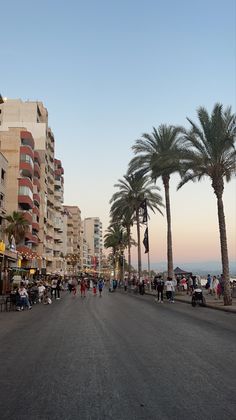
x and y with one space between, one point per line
1 200
3 176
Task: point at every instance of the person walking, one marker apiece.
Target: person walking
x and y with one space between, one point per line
41 291
82 288
58 288
74 286
160 287
70 285
94 288
170 290
100 286
53 288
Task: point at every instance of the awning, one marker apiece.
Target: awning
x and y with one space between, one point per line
26 252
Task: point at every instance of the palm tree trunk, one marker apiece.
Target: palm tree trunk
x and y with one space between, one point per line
170 267
223 245
139 247
129 251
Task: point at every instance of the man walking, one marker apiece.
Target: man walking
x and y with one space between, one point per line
160 287
170 290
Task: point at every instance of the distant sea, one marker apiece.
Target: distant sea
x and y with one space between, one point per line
200 268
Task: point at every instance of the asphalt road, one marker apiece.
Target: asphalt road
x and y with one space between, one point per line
119 357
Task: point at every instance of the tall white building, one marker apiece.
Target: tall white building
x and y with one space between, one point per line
93 235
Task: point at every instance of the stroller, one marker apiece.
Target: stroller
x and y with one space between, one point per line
198 298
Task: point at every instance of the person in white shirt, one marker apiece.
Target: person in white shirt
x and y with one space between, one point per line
170 289
23 298
41 291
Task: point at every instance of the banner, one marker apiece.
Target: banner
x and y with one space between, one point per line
146 241
143 206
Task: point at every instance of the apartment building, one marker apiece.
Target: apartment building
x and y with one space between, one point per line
23 184
34 117
72 218
8 257
92 231
58 217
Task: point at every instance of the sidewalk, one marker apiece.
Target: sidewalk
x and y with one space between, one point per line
211 301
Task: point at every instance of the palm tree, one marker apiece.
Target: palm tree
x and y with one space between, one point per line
124 216
158 155
210 151
134 188
117 241
17 227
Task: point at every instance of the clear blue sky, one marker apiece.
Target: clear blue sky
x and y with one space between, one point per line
108 71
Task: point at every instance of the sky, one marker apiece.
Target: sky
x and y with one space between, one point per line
108 71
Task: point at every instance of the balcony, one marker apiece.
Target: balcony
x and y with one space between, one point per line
27 150
36 169
30 238
25 182
27 139
28 217
58 247
58 236
26 169
37 157
57 183
35 226
25 202
58 226
36 210
37 183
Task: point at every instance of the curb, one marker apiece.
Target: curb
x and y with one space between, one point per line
228 309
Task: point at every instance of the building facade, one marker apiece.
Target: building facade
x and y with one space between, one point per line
92 231
72 217
34 117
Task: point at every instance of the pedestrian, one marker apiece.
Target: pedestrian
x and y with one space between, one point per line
190 286
125 284
100 286
23 298
58 288
215 282
70 285
209 284
41 291
53 288
94 288
74 286
82 288
160 287
169 290
141 286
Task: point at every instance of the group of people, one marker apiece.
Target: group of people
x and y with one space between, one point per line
215 286
85 285
168 285
45 291
39 292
